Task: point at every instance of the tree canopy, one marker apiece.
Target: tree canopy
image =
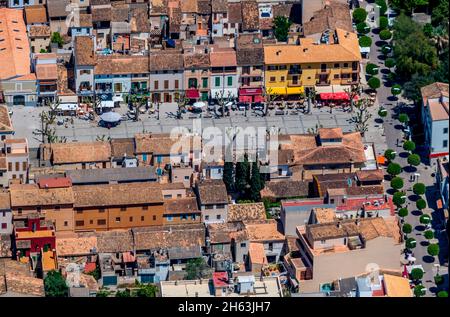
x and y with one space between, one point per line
399 198
419 188
196 269
394 169
433 249
389 154
416 274
281 26
403 212
421 204
407 228
397 183
55 285
374 83
359 15
414 160
365 41
372 69
409 146
385 35
363 28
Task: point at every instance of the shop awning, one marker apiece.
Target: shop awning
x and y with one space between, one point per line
107 104
295 90
68 106
245 99
276 90
259 99
381 159
192 93
250 91
334 96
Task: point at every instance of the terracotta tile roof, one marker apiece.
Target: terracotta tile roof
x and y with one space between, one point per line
434 90
80 152
120 12
183 236
115 241
250 19
370 175
220 233
5 202
219 6
166 60
85 20
263 230
139 21
223 58
5 120
54 182
252 211
35 14
159 7
101 14
196 60
57 8
257 253
75 244
331 133
285 189
332 16
14 47
265 23
161 144
99 2
204 7
397 286
346 50
189 6
324 215
5 246
181 206
438 110
212 192
117 194
84 51
17 278
23 195
175 17
121 147
47 72
235 12
283 9
40 31
107 65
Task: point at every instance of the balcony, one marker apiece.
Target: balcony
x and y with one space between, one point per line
323 82
325 71
294 83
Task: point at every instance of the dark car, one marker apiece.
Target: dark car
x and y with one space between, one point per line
257 106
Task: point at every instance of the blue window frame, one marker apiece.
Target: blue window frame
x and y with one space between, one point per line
169 218
144 157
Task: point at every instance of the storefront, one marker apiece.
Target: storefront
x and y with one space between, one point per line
335 98
192 94
249 95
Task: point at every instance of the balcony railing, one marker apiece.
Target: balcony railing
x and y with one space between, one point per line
292 83
323 83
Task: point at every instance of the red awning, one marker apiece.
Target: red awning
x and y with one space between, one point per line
259 99
192 93
250 91
334 96
245 98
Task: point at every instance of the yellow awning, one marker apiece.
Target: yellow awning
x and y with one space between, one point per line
295 90
276 90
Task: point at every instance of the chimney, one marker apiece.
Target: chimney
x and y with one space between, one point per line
305 50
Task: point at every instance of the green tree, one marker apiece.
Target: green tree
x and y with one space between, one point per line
403 118
43 50
103 293
242 175
382 112
57 38
124 293
55 285
383 6
416 274
228 171
429 234
419 189
196 269
359 15
362 28
403 212
438 279
281 26
396 90
255 183
374 83
410 243
425 219
389 63
390 155
433 249
365 41
440 14
408 5
414 160
386 49
407 228
385 35
419 290
442 294
399 198
383 23
397 183
409 146
372 69
428 29
146 290
394 169
421 204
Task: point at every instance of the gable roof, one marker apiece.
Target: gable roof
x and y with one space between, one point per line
80 152
250 15
250 211
35 14
212 192
333 15
107 65
5 120
23 195
263 230
84 51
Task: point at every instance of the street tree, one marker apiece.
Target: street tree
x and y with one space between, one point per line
397 183
419 290
383 7
363 28
416 274
182 102
385 35
269 97
403 118
382 112
372 69
255 182
421 204
407 228
394 169
409 146
419 189
399 198
137 103
352 93
386 49
383 22
281 26
55 285
222 100
433 249
228 175
389 154
374 83
414 160
359 15
389 63
396 90
429 234
425 219
410 243
362 116
365 41
403 212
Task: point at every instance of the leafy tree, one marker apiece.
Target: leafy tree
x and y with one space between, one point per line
383 22
255 183
385 35
397 183
396 89
124 293
43 50
386 49
374 83
372 69
390 154
394 169
359 15
242 175
419 290
429 234
419 188
438 279
103 293
421 204
228 171
440 14
407 228
281 25
414 160
433 249
196 269
146 290
365 41
403 118
408 5
362 28
410 243
389 62
442 294
411 89
409 146
57 38
403 212
424 219
428 29
55 285
362 116
383 6
416 274
382 112
399 198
